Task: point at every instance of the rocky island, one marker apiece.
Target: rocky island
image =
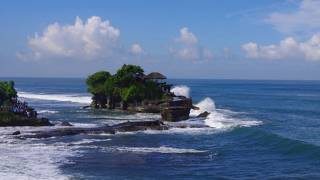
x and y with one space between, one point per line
14 112
129 89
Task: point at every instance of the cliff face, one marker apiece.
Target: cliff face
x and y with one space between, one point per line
173 108
176 109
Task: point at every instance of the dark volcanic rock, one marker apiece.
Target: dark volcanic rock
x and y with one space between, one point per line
203 115
68 132
65 123
139 126
86 107
176 109
16 133
62 123
175 113
12 119
122 127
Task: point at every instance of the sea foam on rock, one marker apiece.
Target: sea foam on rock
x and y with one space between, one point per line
181 91
218 119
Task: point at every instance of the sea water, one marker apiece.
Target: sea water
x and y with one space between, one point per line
256 129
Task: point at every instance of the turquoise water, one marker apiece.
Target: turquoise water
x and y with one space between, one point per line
258 130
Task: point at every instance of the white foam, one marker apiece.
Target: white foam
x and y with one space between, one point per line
74 98
181 91
220 119
161 149
47 112
83 125
186 131
88 141
205 105
27 160
31 159
82 142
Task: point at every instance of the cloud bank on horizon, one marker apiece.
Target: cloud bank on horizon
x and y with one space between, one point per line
288 48
96 38
88 40
304 20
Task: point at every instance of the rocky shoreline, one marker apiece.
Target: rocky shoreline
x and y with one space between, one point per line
130 126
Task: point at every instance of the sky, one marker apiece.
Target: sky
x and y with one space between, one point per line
207 39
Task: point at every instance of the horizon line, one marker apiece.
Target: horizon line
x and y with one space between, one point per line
174 78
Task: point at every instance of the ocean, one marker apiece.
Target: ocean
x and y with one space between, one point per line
256 130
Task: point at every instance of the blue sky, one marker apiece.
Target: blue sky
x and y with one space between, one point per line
243 39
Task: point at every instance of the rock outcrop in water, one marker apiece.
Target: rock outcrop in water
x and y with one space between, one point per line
14 112
177 108
122 127
203 114
131 126
131 90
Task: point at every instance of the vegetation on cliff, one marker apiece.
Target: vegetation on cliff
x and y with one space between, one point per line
7 92
127 86
16 113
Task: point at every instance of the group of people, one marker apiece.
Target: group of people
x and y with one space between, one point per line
19 107
23 108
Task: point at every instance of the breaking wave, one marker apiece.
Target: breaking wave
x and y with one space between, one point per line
161 149
74 98
220 119
47 112
181 91
205 105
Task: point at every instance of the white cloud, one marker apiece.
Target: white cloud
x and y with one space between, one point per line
92 39
288 48
187 47
136 49
305 18
187 37
251 49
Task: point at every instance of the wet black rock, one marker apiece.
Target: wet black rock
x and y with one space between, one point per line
16 133
65 123
12 119
203 114
176 109
122 127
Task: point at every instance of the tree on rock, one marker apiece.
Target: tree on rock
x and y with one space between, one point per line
128 85
7 92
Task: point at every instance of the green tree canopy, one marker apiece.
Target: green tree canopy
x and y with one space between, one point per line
132 93
126 85
96 82
7 91
127 75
